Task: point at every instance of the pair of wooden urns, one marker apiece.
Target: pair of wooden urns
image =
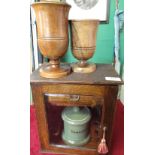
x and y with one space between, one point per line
52 31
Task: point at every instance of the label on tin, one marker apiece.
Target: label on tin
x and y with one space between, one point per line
78 132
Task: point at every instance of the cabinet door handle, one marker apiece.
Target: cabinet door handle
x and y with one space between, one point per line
103 148
74 98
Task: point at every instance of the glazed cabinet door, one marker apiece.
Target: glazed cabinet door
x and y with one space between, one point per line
50 100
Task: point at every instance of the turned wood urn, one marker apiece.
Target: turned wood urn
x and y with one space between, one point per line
84 44
52 36
76 125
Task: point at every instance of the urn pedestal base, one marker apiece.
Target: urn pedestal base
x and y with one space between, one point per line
88 68
48 71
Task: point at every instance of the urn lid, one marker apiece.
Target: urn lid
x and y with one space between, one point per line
76 115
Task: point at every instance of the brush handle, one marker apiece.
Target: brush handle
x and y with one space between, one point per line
104 131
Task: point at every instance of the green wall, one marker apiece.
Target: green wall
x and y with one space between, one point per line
105 40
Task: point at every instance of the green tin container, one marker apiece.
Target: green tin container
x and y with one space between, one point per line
76 123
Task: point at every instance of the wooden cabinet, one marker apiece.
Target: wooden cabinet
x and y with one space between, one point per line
50 96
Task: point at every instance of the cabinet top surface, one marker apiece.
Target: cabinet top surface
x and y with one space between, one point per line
104 74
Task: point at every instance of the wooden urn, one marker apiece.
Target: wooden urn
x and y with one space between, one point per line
52 36
84 44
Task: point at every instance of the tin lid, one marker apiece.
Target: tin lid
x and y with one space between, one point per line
76 115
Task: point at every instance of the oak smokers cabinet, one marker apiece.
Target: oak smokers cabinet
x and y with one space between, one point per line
92 90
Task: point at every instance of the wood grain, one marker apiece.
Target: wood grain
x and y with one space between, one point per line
52 36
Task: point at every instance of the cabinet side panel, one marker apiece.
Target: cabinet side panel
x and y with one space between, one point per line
38 99
110 108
